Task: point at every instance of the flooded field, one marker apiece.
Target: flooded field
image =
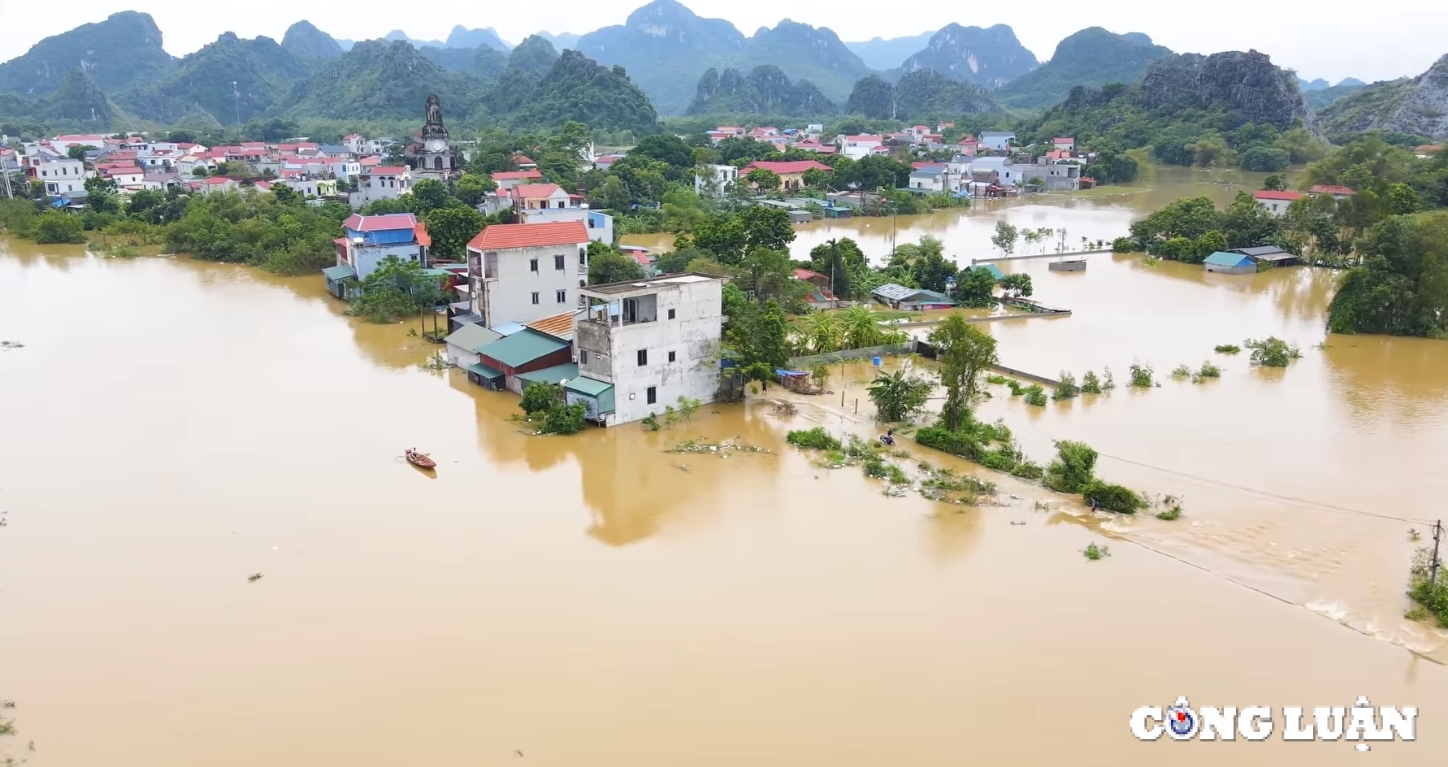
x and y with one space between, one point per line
170 428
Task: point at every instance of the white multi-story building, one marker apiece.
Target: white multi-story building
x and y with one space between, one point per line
599 225
381 183
62 176
717 183
856 147
525 272
647 344
370 239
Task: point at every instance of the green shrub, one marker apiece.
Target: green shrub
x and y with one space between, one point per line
1208 370
1027 469
1094 552
1124 245
1090 384
1142 376
954 442
1073 469
540 397
998 380
1174 513
814 439
1108 381
650 422
1180 372
564 419
52 226
1035 395
1017 388
1227 349
1112 497
1272 352
1066 387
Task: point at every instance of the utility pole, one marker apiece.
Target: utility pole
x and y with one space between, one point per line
1433 565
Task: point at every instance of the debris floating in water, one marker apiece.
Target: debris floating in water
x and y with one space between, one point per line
253 578
11 345
694 446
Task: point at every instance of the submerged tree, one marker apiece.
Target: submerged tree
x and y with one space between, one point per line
897 396
963 353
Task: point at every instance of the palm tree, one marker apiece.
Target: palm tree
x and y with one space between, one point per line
824 333
894 335
861 327
897 396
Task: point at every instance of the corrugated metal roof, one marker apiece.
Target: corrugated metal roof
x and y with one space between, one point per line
556 374
601 392
339 272
380 222
508 328
1260 250
472 337
894 292
1227 259
995 271
484 371
559 326
522 348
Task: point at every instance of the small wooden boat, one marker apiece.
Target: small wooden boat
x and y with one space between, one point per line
420 460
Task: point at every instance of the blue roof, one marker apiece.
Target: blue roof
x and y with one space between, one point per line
509 328
1228 259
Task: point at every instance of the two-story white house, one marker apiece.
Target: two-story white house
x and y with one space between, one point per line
598 224
539 196
997 139
645 344
511 179
856 147
384 182
369 239
715 180
62 176
525 272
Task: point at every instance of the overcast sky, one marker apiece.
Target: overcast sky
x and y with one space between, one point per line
1332 40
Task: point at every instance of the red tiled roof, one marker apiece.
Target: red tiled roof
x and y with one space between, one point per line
387 170
506 236
523 159
123 169
862 137
419 233
641 256
380 223
535 191
926 164
1271 194
218 180
340 241
516 175
791 166
805 274
370 161
1063 140
1331 189
266 185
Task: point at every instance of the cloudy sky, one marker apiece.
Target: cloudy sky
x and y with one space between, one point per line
1388 39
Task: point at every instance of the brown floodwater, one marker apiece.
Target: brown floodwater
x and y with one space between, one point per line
171 427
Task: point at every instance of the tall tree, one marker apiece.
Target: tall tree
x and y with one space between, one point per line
963 353
451 229
607 264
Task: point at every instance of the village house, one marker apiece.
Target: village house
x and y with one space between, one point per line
355 144
857 147
215 185
821 298
967 146
164 181
910 299
1276 202
606 161
370 239
62 176
1055 176
816 146
524 272
510 179
344 169
791 173
995 170
718 182
814 129
1334 191
538 196
598 223
125 175
1065 144
930 177
507 362
464 344
645 345
1267 254
384 182
997 140
1229 263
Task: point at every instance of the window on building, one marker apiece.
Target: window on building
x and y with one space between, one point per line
643 357
558 263
671 356
671 314
533 267
652 395
562 296
535 298
582 357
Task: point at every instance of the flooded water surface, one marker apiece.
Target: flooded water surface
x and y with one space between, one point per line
170 428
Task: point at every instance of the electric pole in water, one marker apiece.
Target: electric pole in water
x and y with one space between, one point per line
1433 565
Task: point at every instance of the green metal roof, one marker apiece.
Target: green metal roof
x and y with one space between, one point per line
522 347
552 375
339 272
930 296
1227 259
472 337
995 271
601 392
484 371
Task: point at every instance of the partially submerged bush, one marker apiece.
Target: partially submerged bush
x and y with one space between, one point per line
1073 468
1208 370
1066 387
1142 376
1035 395
1090 384
814 439
1227 349
1181 372
1272 352
1105 495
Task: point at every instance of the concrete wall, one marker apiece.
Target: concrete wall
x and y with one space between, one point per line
1244 269
461 357
510 297
365 259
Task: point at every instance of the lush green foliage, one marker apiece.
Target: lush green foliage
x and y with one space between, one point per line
1191 229
815 439
1035 395
1112 497
1401 288
1090 383
1142 376
538 397
258 229
1073 469
1066 387
1092 57
564 419
396 289
1272 352
764 90
1227 349
606 263
53 226
963 353
897 396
